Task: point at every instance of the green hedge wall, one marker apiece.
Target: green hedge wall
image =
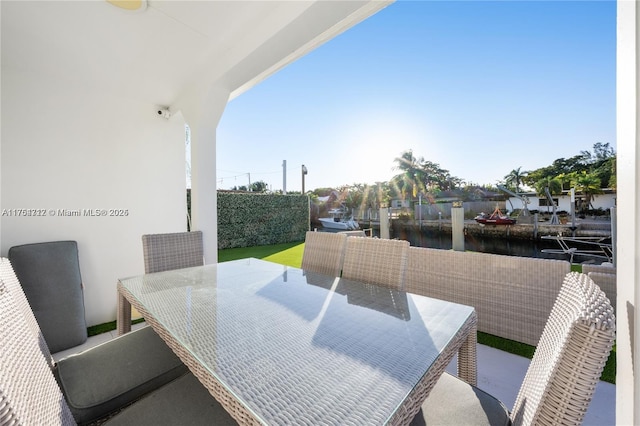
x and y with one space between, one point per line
248 220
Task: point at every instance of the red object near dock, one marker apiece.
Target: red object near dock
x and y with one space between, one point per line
495 218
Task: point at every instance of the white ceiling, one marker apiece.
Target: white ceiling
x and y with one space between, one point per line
155 54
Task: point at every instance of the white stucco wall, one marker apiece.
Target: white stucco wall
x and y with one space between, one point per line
96 152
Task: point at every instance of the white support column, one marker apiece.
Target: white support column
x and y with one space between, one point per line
457 226
384 223
628 211
202 112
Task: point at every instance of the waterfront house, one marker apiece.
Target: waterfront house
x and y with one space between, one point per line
604 201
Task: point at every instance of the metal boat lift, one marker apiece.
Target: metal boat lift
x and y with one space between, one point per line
597 247
521 197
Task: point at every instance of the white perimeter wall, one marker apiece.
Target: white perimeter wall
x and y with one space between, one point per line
96 152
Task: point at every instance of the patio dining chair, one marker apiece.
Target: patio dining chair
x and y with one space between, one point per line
562 376
323 252
608 283
141 359
49 273
30 395
376 261
164 252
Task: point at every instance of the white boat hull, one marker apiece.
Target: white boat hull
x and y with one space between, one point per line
328 222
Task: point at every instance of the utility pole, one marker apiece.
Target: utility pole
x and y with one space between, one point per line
304 172
284 176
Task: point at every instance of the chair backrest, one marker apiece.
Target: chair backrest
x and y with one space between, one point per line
49 273
376 261
323 252
164 252
607 283
569 358
29 393
513 296
8 277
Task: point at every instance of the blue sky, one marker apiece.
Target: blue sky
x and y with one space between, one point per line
478 87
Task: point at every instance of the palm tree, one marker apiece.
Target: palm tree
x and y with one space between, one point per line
554 185
589 185
352 195
410 178
375 196
613 183
514 178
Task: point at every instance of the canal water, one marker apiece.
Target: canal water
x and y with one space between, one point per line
507 247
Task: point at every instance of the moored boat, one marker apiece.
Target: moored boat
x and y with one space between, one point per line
495 218
337 220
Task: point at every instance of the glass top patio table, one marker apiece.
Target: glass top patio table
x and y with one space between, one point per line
277 345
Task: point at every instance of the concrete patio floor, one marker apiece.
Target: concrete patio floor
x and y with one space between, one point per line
499 373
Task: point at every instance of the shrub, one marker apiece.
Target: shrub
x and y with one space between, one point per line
257 219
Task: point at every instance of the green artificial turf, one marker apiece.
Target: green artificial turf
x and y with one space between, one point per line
106 327
286 254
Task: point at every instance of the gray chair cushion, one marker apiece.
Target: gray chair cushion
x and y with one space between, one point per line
50 277
455 402
105 378
182 402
